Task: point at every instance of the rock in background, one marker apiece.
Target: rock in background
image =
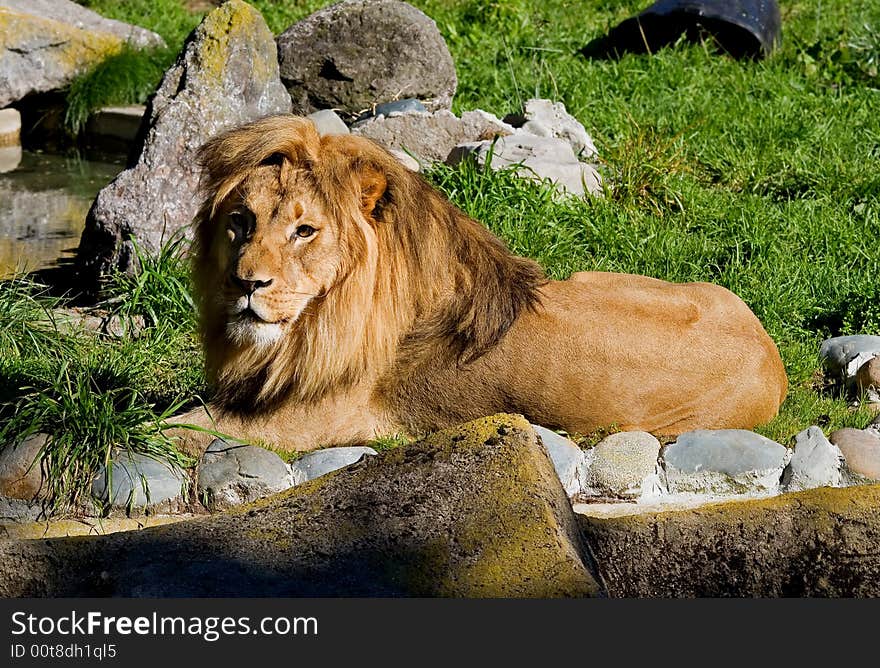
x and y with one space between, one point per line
226 75
547 143
852 361
45 44
359 53
430 136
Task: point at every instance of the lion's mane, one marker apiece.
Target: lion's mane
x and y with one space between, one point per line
430 282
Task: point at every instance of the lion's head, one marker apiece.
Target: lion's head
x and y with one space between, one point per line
319 259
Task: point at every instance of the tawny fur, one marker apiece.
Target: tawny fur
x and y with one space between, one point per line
403 315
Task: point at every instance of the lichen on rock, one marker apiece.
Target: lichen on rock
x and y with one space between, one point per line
226 75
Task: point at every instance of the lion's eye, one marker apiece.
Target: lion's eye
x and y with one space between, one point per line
238 225
305 231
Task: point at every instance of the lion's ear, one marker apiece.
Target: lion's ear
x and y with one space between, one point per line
373 185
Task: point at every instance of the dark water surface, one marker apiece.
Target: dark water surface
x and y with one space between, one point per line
44 200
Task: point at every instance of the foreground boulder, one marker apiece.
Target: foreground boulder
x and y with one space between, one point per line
45 44
359 53
821 542
226 75
471 511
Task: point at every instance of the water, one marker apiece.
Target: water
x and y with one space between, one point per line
44 200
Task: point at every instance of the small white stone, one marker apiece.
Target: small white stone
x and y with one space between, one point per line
328 122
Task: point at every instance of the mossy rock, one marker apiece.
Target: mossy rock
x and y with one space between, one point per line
475 511
225 76
821 542
45 44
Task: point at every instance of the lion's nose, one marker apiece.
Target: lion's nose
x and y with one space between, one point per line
250 287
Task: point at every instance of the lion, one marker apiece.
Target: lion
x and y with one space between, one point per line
342 298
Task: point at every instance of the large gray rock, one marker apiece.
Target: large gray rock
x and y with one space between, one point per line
568 460
625 465
723 461
230 474
431 136
861 448
20 471
545 118
816 462
226 75
45 44
535 158
138 481
474 511
355 54
321 462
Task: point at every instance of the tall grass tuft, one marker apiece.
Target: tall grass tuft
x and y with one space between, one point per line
161 291
86 423
29 328
127 77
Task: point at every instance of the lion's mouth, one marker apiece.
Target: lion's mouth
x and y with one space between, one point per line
250 315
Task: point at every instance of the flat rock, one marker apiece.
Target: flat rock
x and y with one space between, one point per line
624 464
723 461
20 473
45 44
816 462
473 511
138 481
226 75
845 355
353 55
568 459
230 474
861 448
816 543
533 157
545 118
321 462
431 136
327 122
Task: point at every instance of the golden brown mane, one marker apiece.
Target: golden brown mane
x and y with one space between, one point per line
429 281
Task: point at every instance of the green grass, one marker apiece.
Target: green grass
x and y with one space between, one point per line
94 394
760 176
